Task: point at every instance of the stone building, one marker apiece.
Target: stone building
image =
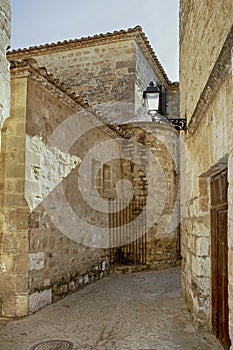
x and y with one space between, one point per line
53 136
39 263
82 181
109 70
4 65
206 97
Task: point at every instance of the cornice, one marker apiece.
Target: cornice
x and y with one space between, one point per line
219 73
116 36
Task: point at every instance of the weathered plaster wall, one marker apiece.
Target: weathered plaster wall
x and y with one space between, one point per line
4 65
208 142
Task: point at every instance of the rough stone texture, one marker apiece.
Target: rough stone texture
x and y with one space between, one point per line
199 55
108 70
4 65
173 102
162 142
71 169
131 312
208 143
67 265
6 251
40 179
14 210
116 69
204 159
38 300
144 74
36 256
36 261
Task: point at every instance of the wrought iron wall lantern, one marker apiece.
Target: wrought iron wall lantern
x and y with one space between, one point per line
156 105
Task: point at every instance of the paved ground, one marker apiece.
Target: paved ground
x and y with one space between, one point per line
142 311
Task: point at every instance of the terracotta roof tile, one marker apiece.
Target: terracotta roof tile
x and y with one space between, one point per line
95 116
100 37
31 62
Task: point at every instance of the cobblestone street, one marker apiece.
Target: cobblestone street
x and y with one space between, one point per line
142 310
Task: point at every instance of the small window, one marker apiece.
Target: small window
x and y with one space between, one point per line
101 178
96 175
106 178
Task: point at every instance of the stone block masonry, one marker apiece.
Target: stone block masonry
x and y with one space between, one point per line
206 100
5 17
160 141
39 264
213 29
59 265
110 70
58 253
14 219
102 74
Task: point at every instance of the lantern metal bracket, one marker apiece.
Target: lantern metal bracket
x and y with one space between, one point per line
179 123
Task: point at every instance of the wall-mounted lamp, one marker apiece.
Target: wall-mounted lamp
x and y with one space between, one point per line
151 97
155 99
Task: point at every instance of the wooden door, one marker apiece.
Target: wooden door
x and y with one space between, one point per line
219 258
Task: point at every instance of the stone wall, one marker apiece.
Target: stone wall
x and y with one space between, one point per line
51 238
14 219
173 102
102 74
4 65
63 255
206 99
155 149
73 162
144 74
111 71
204 159
199 50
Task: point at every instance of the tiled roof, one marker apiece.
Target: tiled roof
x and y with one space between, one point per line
96 39
32 63
93 114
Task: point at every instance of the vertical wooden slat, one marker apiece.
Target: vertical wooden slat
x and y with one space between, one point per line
214 272
219 258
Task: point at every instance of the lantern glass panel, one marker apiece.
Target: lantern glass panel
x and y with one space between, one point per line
152 101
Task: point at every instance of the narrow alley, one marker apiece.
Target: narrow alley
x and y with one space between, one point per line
143 311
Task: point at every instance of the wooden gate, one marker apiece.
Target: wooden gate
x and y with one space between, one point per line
219 258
